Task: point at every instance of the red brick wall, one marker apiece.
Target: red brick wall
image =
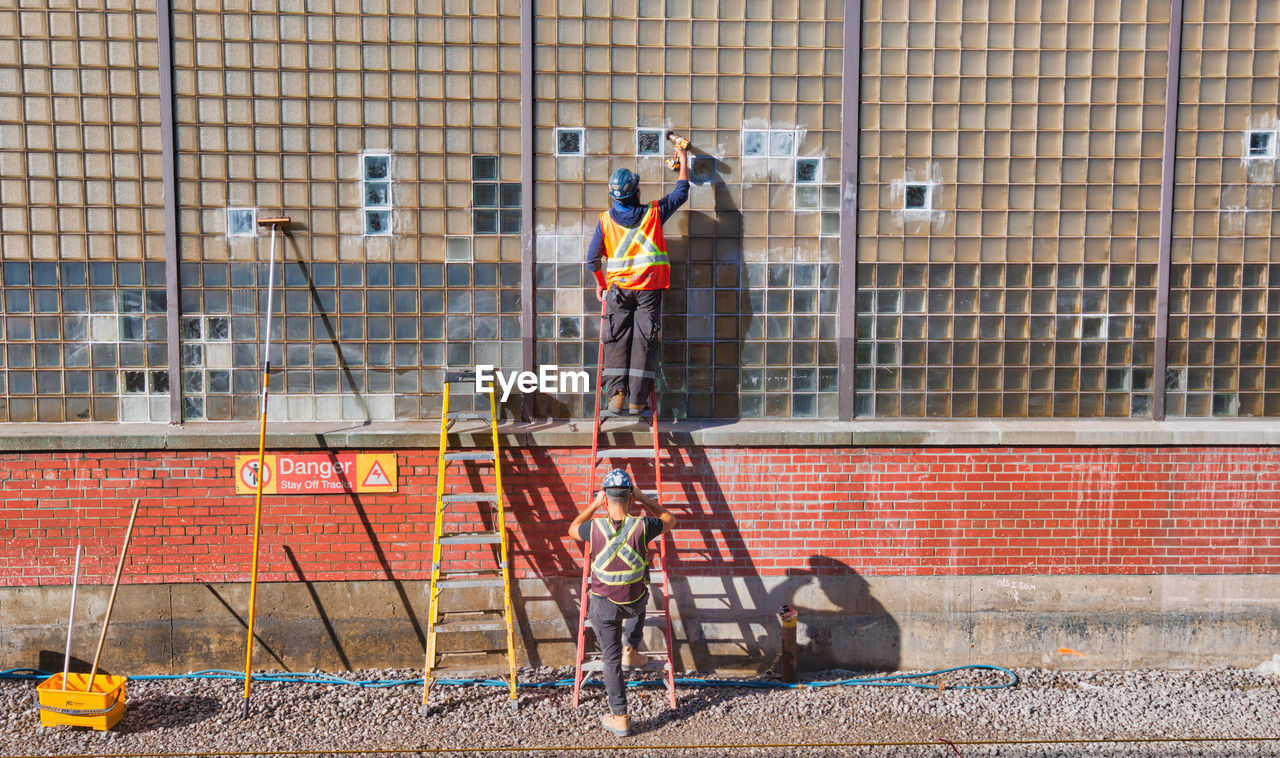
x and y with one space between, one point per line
744 511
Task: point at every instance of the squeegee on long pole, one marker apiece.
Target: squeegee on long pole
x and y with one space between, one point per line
275 224
111 601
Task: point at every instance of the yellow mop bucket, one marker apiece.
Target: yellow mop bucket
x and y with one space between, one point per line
100 708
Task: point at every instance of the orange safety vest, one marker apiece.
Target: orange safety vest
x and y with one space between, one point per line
635 258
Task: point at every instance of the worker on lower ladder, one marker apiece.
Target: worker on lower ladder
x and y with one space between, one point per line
628 257
619 586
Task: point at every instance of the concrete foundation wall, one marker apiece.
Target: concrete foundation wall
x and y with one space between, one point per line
723 624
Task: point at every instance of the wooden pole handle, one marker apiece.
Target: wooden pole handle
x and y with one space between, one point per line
102 637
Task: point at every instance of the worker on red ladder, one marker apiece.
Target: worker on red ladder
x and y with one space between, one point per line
629 242
619 586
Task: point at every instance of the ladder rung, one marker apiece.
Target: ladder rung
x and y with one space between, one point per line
625 452
655 664
464 375
626 414
470 626
467 583
467 670
468 416
472 573
469 457
470 497
470 538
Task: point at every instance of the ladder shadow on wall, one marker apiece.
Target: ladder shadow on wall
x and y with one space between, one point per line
541 517
726 608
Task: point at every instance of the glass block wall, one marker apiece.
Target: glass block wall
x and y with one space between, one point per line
1009 208
81 230
354 120
1008 220
749 323
1224 297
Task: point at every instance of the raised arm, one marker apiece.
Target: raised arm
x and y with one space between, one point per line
585 515
655 508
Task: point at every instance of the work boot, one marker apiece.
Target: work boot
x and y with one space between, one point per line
637 409
633 659
618 726
618 400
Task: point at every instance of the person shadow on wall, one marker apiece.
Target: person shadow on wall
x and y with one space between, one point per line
842 624
726 607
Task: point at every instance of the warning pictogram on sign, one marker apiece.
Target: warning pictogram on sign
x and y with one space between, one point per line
376 477
317 473
247 469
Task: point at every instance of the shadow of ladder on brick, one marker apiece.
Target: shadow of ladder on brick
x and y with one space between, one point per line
460 582
659 582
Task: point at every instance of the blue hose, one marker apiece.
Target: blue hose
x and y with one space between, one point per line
889 680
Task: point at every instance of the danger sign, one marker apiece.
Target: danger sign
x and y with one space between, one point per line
317 473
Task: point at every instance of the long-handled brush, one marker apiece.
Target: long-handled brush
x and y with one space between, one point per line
111 603
275 223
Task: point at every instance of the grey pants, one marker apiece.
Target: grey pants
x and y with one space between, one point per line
633 328
611 622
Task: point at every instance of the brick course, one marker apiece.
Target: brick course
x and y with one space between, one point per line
744 511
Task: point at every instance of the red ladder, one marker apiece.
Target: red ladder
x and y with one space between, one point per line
660 581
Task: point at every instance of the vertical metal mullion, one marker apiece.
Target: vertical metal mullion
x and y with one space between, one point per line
850 121
1173 76
528 240
169 175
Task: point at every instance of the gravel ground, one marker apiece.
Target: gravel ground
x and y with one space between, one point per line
186 716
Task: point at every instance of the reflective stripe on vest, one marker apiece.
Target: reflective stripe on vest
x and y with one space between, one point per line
636 257
629 566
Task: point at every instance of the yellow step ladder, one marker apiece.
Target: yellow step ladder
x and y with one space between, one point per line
470 576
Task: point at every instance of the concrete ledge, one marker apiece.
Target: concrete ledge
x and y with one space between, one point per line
577 433
722 624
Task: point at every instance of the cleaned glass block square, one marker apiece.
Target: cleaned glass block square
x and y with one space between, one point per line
456 249
510 222
377 223
917 197
377 167
569 142
1261 144
242 222
510 195
484 195
807 198
830 224
377 194
808 170
755 143
484 168
782 143
648 142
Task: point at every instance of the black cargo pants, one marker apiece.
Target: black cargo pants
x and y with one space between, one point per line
612 624
633 328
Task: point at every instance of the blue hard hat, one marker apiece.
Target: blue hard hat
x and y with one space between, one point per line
616 479
623 184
